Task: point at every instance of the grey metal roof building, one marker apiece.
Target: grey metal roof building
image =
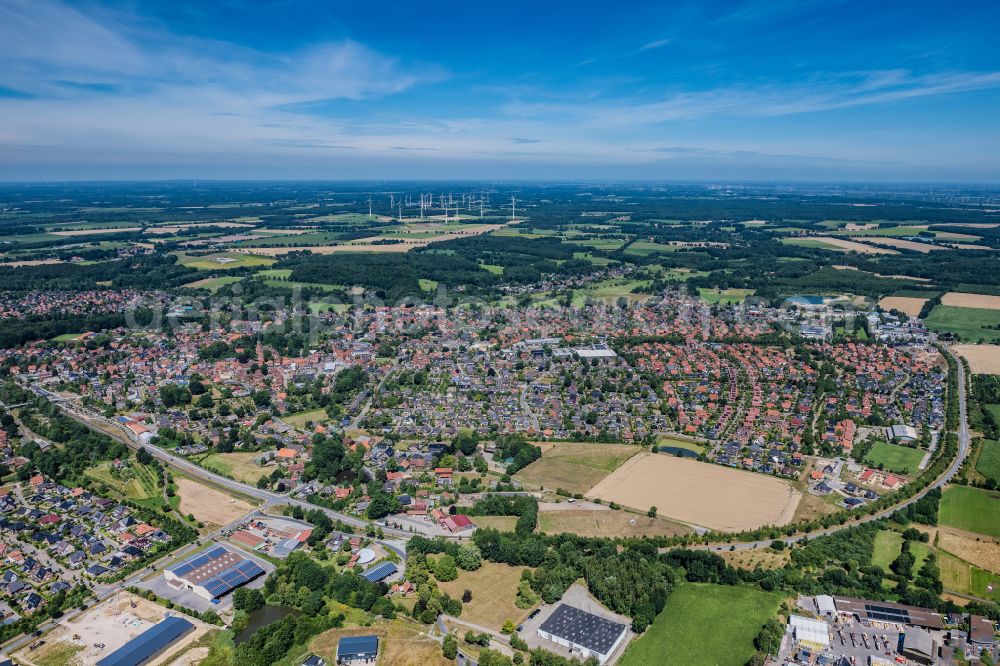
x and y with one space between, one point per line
149 643
353 648
588 633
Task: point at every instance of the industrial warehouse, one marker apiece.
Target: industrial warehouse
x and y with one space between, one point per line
583 632
846 630
214 573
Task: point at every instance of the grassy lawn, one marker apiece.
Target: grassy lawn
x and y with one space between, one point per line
989 460
223 260
894 458
609 291
957 575
238 465
212 284
274 273
688 632
971 509
575 466
401 643
142 487
646 248
600 243
969 323
812 242
299 419
680 444
492 268
494 588
502 523
427 285
888 545
724 296
67 337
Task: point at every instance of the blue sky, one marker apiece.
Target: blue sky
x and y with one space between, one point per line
758 89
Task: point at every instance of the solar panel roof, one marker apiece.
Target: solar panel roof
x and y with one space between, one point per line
380 572
148 643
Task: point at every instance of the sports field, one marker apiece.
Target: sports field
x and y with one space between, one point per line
574 466
988 463
697 493
983 359
971 509
894 458
969 323
704 625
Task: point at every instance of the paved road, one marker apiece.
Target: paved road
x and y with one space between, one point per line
964 443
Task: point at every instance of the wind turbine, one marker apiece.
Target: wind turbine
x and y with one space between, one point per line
369 208
512 200
421 206
480 208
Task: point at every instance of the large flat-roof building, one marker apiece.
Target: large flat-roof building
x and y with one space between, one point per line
919 646
213 573
149 644
867 610
589 634
362 649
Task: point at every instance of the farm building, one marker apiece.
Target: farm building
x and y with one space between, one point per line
214 573
150 643
357 648
589 634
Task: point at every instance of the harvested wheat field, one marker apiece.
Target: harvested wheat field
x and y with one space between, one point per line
983 359
208 505
982 551
91 232
908 245
607 524
981 301
852 246
702 494
910 306
369 244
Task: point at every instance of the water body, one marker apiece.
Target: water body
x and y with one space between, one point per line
262 618
676 451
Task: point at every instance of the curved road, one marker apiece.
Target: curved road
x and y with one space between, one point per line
964 443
